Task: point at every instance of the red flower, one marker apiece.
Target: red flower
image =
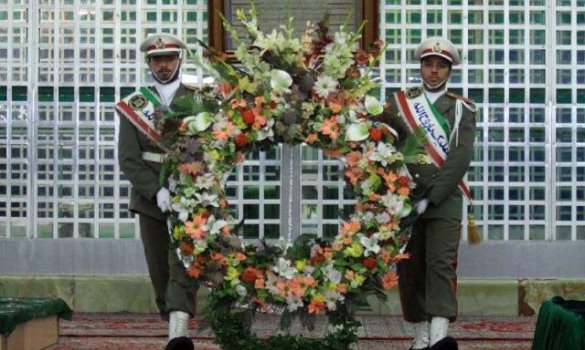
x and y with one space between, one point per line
250 275
370 263
403 181
248 117
241 140
375 134
186 248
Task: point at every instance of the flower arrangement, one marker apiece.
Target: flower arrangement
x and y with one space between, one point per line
313 89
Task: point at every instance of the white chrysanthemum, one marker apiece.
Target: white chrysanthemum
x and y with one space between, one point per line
325 85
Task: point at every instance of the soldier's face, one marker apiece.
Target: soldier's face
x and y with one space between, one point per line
435 70
163 66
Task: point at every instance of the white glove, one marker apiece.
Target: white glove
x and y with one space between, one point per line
163 200
421 206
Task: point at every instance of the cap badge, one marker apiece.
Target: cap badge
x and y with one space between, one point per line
437 47
159 43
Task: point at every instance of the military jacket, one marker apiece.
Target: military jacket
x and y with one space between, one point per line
142 174
446 200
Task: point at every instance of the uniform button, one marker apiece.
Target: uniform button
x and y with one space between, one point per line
416 175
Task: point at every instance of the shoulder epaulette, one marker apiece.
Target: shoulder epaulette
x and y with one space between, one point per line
466 101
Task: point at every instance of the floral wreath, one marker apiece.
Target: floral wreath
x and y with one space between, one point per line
311 90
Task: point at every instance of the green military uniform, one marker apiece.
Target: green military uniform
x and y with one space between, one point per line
428 280
171 283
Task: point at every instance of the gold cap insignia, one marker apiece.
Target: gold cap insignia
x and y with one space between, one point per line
160 43
437 47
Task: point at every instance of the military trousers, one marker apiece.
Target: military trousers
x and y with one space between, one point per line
428 280
174 290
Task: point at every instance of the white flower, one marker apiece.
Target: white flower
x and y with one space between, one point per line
370 244
373 106
206 199
214 226
200 246
383 218
332 274
204 181
183 207
280 80
383 153
241 290
357 132
198 123
284 269
331 299
325 85
393 203
293 303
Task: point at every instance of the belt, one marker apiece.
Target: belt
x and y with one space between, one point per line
153 157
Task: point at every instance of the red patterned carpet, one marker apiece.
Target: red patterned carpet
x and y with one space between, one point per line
146 332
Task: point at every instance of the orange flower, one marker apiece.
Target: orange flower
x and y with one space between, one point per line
390 280
251 275
311 138
334 104
220 258
259 101
353 158
316 306
260 283
194 272
330 127
351 227
260 120
354 174
225 88
374 197
221 135
186 248
399 257
328 253
238 103
341 288
193 168
403 191
195 228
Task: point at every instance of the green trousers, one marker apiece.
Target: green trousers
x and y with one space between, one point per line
174 290
428 281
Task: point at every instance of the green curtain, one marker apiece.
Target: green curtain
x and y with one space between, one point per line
560 325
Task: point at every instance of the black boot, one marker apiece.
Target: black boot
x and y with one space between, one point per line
180 343
447 343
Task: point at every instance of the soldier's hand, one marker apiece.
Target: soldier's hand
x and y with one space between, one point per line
163 199
421 206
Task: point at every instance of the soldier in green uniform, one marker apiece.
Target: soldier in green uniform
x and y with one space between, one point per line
140 159
428 280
